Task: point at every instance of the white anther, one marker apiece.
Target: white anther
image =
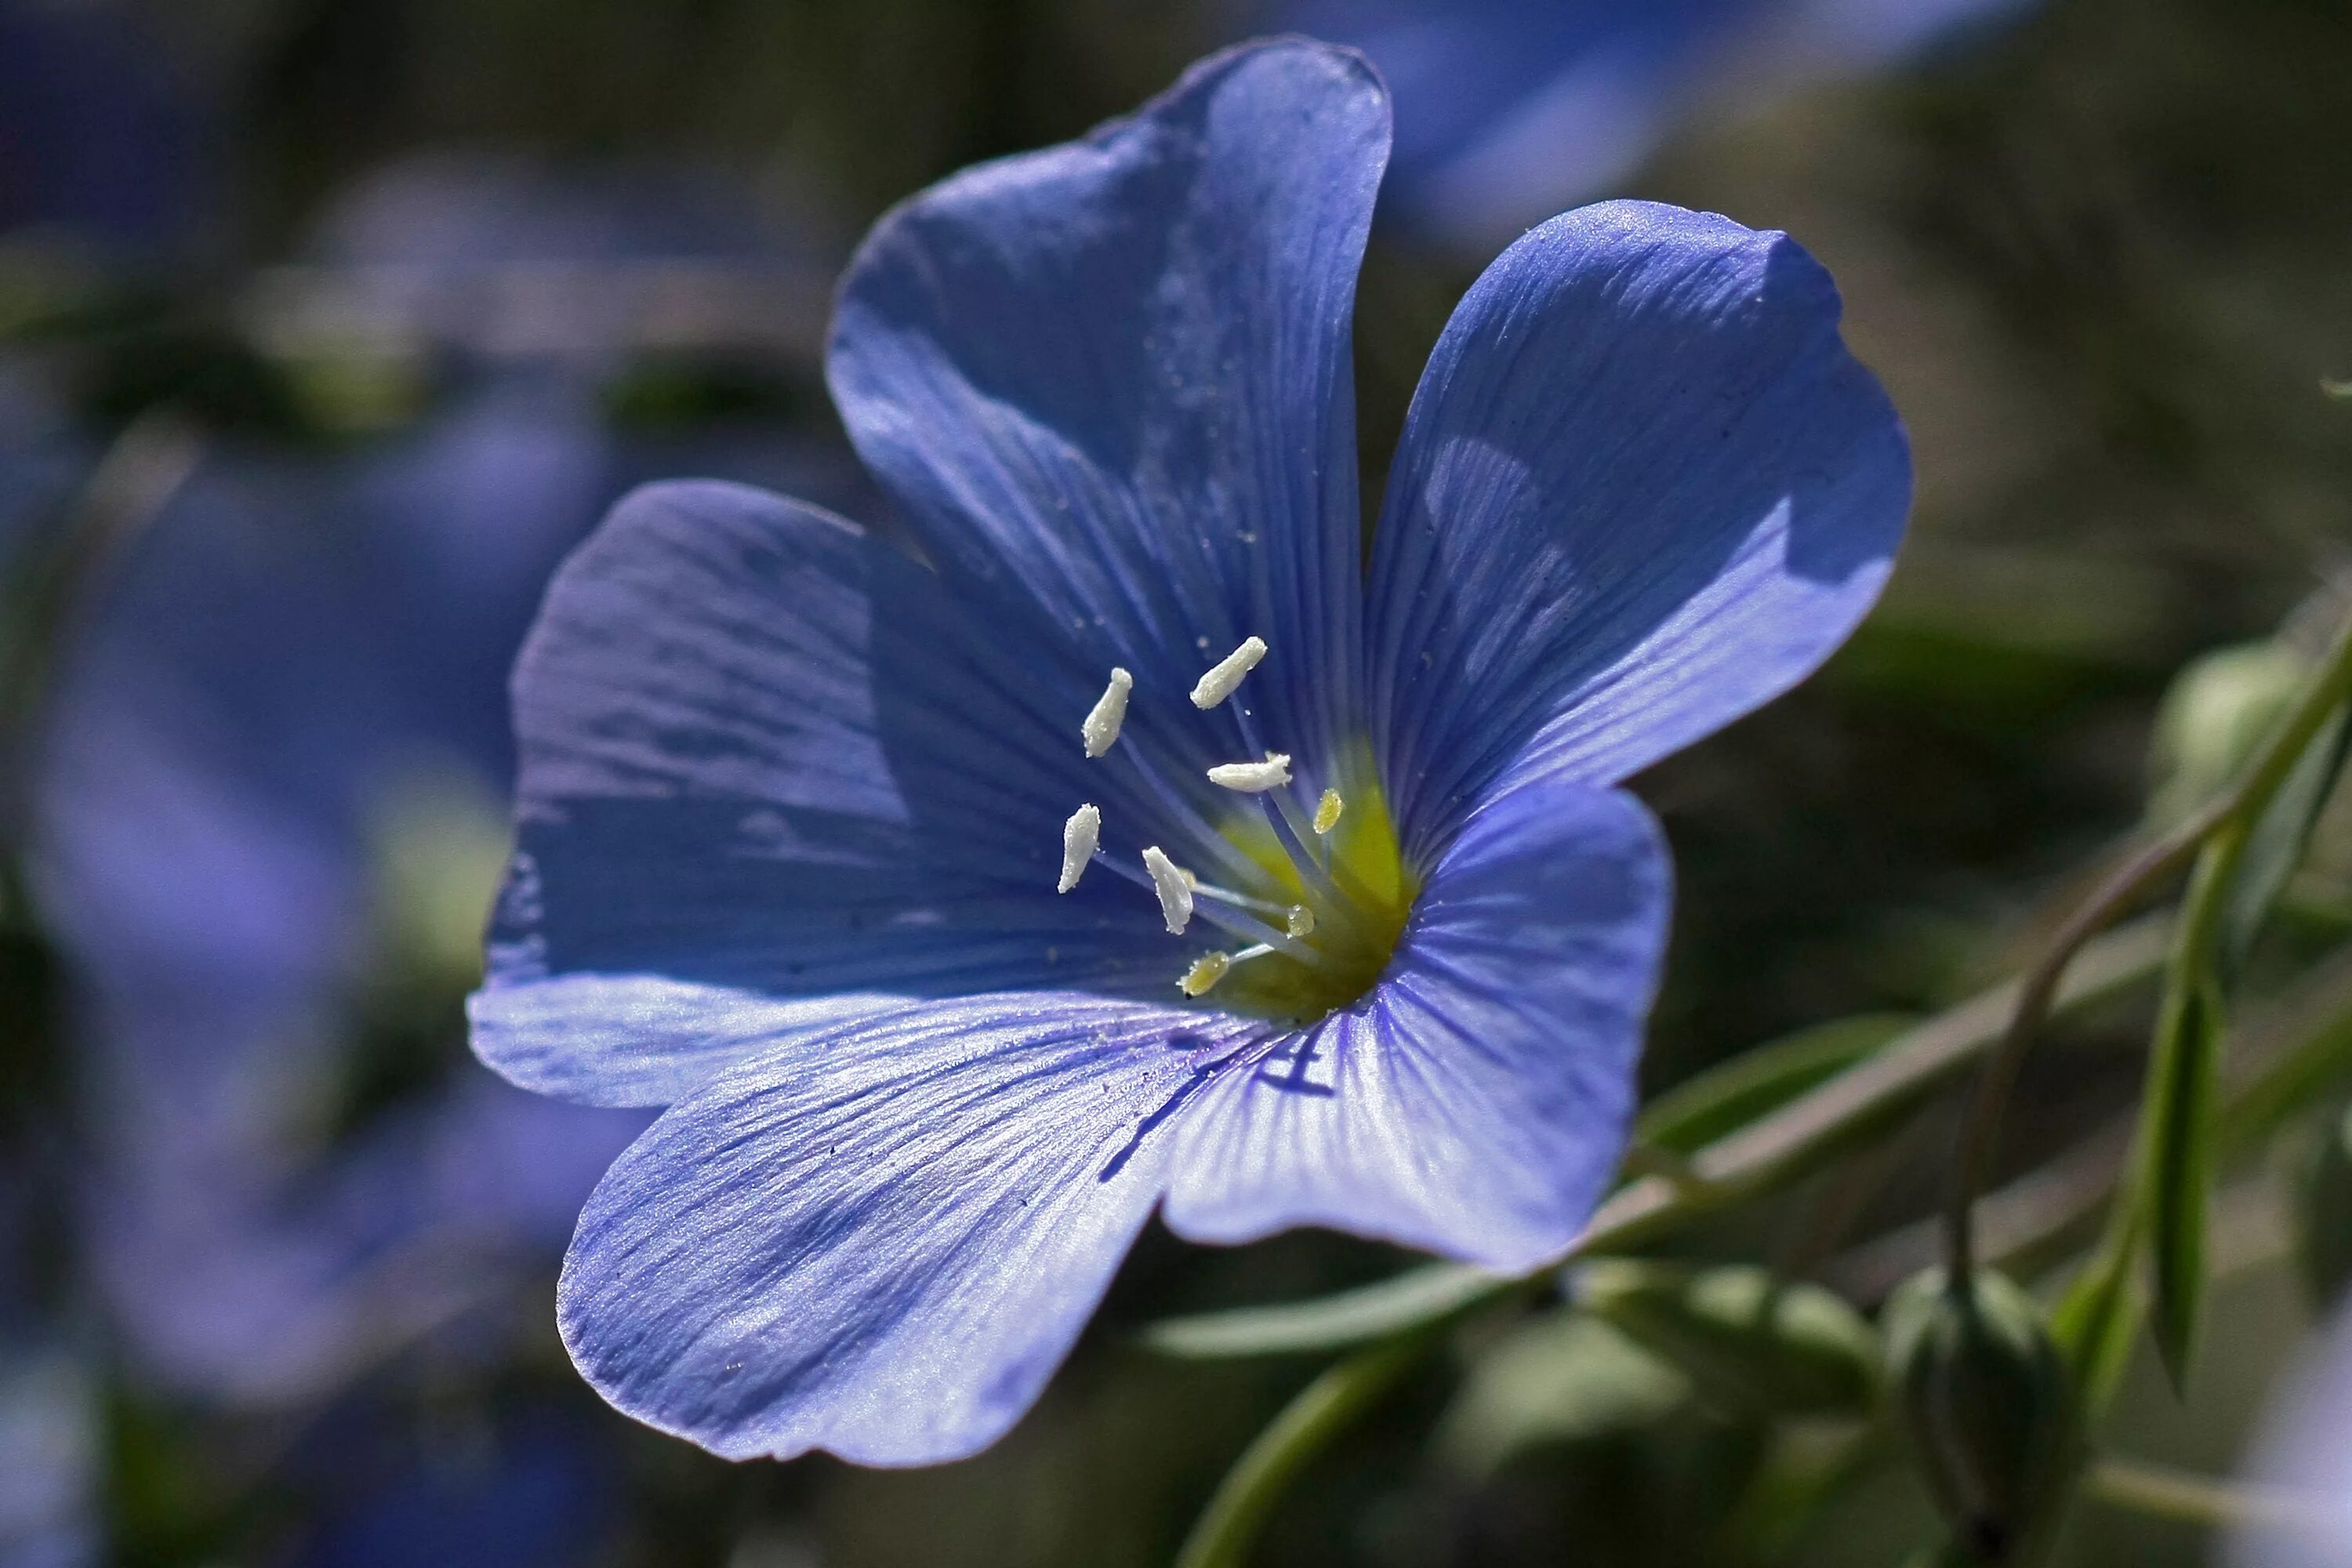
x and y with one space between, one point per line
1299 921
1206 971
1110 711
1254 778
1175 891
1327 810
1081 836
1226 673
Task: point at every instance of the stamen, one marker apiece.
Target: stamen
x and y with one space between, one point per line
1327 810
1212 967
1080 836
1254 778
1226 674
1300 921
1100 729
1175 892
1206 971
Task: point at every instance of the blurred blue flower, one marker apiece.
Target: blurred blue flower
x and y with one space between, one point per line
271 799
48 1461
510 259
99 136
534 1490
272 810
1508 111
2304 1452
794 807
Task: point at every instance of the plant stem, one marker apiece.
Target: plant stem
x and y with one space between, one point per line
2238 808
1768 1153
1223 1535
2205 1502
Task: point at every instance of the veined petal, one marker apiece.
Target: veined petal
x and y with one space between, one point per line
1475 1102
1109 383
775 776
1643 489
882 1240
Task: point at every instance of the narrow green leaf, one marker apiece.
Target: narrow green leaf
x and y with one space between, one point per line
1788 1142
1416 1299
2098 1318
1756 1082
2180 1132
2276 846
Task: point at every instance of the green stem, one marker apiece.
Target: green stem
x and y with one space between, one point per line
1229 1526
1763 1156
2202 1501
1766 1155
2227 824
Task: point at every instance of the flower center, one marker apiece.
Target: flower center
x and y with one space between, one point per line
1288 897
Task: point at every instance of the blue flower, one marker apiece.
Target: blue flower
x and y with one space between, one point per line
794 807
1509 110
48 1460
98 137
536 1489
275 766
2303 1451
511 260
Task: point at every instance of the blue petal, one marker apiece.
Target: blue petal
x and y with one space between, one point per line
1643 489
1474 1103
1109 383
776 776
881 1241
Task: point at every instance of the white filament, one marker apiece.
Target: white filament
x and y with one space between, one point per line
1081 837
1226 674
1110 711
1254 778
1174 888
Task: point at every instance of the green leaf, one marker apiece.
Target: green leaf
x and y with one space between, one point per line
1558 1377
1752 1344
2181 1129
2098 1318
2323 1210
1416 1299
2276 846
1756 1082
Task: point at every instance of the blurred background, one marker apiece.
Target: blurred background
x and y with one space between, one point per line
328 326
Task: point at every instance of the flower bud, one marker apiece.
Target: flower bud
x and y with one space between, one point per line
2323 1210
1985 1396
1751 1344
2218 709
